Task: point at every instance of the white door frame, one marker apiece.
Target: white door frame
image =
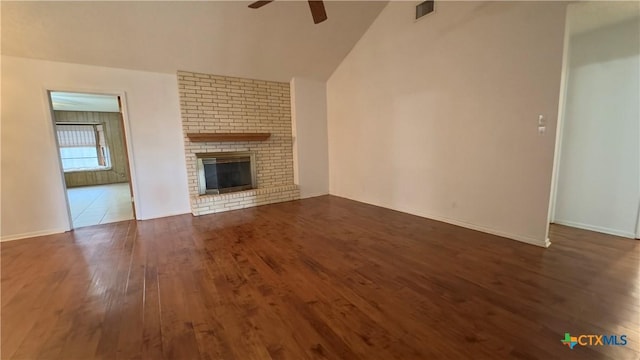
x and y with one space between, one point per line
564 79
638 218
557 154
638 224
126 134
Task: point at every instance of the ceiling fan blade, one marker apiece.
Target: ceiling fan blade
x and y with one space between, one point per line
317 11
259 4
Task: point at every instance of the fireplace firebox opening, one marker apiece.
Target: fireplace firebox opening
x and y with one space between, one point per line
225 172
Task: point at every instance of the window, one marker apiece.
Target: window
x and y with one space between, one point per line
82 147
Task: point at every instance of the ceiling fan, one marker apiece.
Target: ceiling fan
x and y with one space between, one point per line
316 6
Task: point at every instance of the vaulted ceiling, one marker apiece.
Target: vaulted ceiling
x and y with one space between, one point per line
590 15
276 42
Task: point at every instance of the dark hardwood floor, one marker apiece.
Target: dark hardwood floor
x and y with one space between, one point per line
322 278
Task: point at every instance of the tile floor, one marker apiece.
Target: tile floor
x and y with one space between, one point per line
93 205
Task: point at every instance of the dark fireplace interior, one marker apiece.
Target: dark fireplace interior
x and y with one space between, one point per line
225 173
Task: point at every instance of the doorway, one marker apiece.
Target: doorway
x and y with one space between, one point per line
597 161
92 149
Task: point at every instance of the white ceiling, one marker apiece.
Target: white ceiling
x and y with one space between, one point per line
276 42
590 15
84 102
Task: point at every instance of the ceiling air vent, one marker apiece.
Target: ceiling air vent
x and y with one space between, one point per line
424 8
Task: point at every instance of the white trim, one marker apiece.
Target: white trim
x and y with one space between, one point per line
638 224
129 145
521 238
31 234
562 98
53 132
637 235
314 194
525 239
599 229
163 216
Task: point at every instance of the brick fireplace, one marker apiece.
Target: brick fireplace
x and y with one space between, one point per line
212 104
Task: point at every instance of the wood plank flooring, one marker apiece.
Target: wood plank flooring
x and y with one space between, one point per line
322 278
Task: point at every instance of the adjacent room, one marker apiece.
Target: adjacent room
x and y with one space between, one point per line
320 180
92 148
598 153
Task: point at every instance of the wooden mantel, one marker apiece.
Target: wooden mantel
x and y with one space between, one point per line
222 137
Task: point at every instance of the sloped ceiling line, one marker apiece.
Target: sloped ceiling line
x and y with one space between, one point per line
220 37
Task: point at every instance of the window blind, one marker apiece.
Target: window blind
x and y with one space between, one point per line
76 135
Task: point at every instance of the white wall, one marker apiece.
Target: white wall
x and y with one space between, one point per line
438 117
599 172
33 199
309 122
274 43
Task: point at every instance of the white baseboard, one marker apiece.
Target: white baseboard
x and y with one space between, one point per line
315 194
525 239
521 238
32 234
164 215
600 229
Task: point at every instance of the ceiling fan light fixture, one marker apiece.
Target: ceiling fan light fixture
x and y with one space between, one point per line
316 6
317 11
